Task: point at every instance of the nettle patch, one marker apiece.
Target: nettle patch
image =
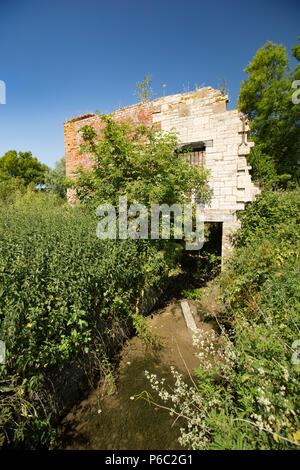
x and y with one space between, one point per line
57 279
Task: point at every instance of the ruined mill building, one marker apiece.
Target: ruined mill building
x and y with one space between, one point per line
218 138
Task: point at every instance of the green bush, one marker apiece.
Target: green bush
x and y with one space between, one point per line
267 213
56 280
261 288
267 243
10 190
247 392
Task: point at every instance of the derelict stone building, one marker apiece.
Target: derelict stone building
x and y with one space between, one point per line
218 138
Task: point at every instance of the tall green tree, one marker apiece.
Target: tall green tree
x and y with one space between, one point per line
55 178
23 166
266 97
296 54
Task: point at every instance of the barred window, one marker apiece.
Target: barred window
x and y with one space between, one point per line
196 157
194 152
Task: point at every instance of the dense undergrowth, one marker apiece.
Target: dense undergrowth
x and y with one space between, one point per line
56 280
247 392
261 289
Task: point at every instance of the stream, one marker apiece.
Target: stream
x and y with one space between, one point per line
104 421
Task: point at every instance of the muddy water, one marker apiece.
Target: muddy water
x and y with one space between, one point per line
116 422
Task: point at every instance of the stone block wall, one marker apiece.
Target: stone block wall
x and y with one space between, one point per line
198 116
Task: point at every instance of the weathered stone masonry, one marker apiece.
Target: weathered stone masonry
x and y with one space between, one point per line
218 136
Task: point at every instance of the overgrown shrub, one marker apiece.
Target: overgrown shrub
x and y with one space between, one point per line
56 280
247 392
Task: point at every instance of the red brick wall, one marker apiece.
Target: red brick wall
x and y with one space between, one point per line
140 113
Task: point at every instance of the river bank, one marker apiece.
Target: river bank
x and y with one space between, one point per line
116 421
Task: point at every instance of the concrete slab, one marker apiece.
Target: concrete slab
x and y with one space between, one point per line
188 316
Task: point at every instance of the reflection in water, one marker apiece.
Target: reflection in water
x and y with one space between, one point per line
115 422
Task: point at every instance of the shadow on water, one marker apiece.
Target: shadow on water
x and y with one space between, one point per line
116 422
124 423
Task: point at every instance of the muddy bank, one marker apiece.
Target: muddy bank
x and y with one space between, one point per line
104 421
63 388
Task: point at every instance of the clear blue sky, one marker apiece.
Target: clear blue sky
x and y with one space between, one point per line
61 58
